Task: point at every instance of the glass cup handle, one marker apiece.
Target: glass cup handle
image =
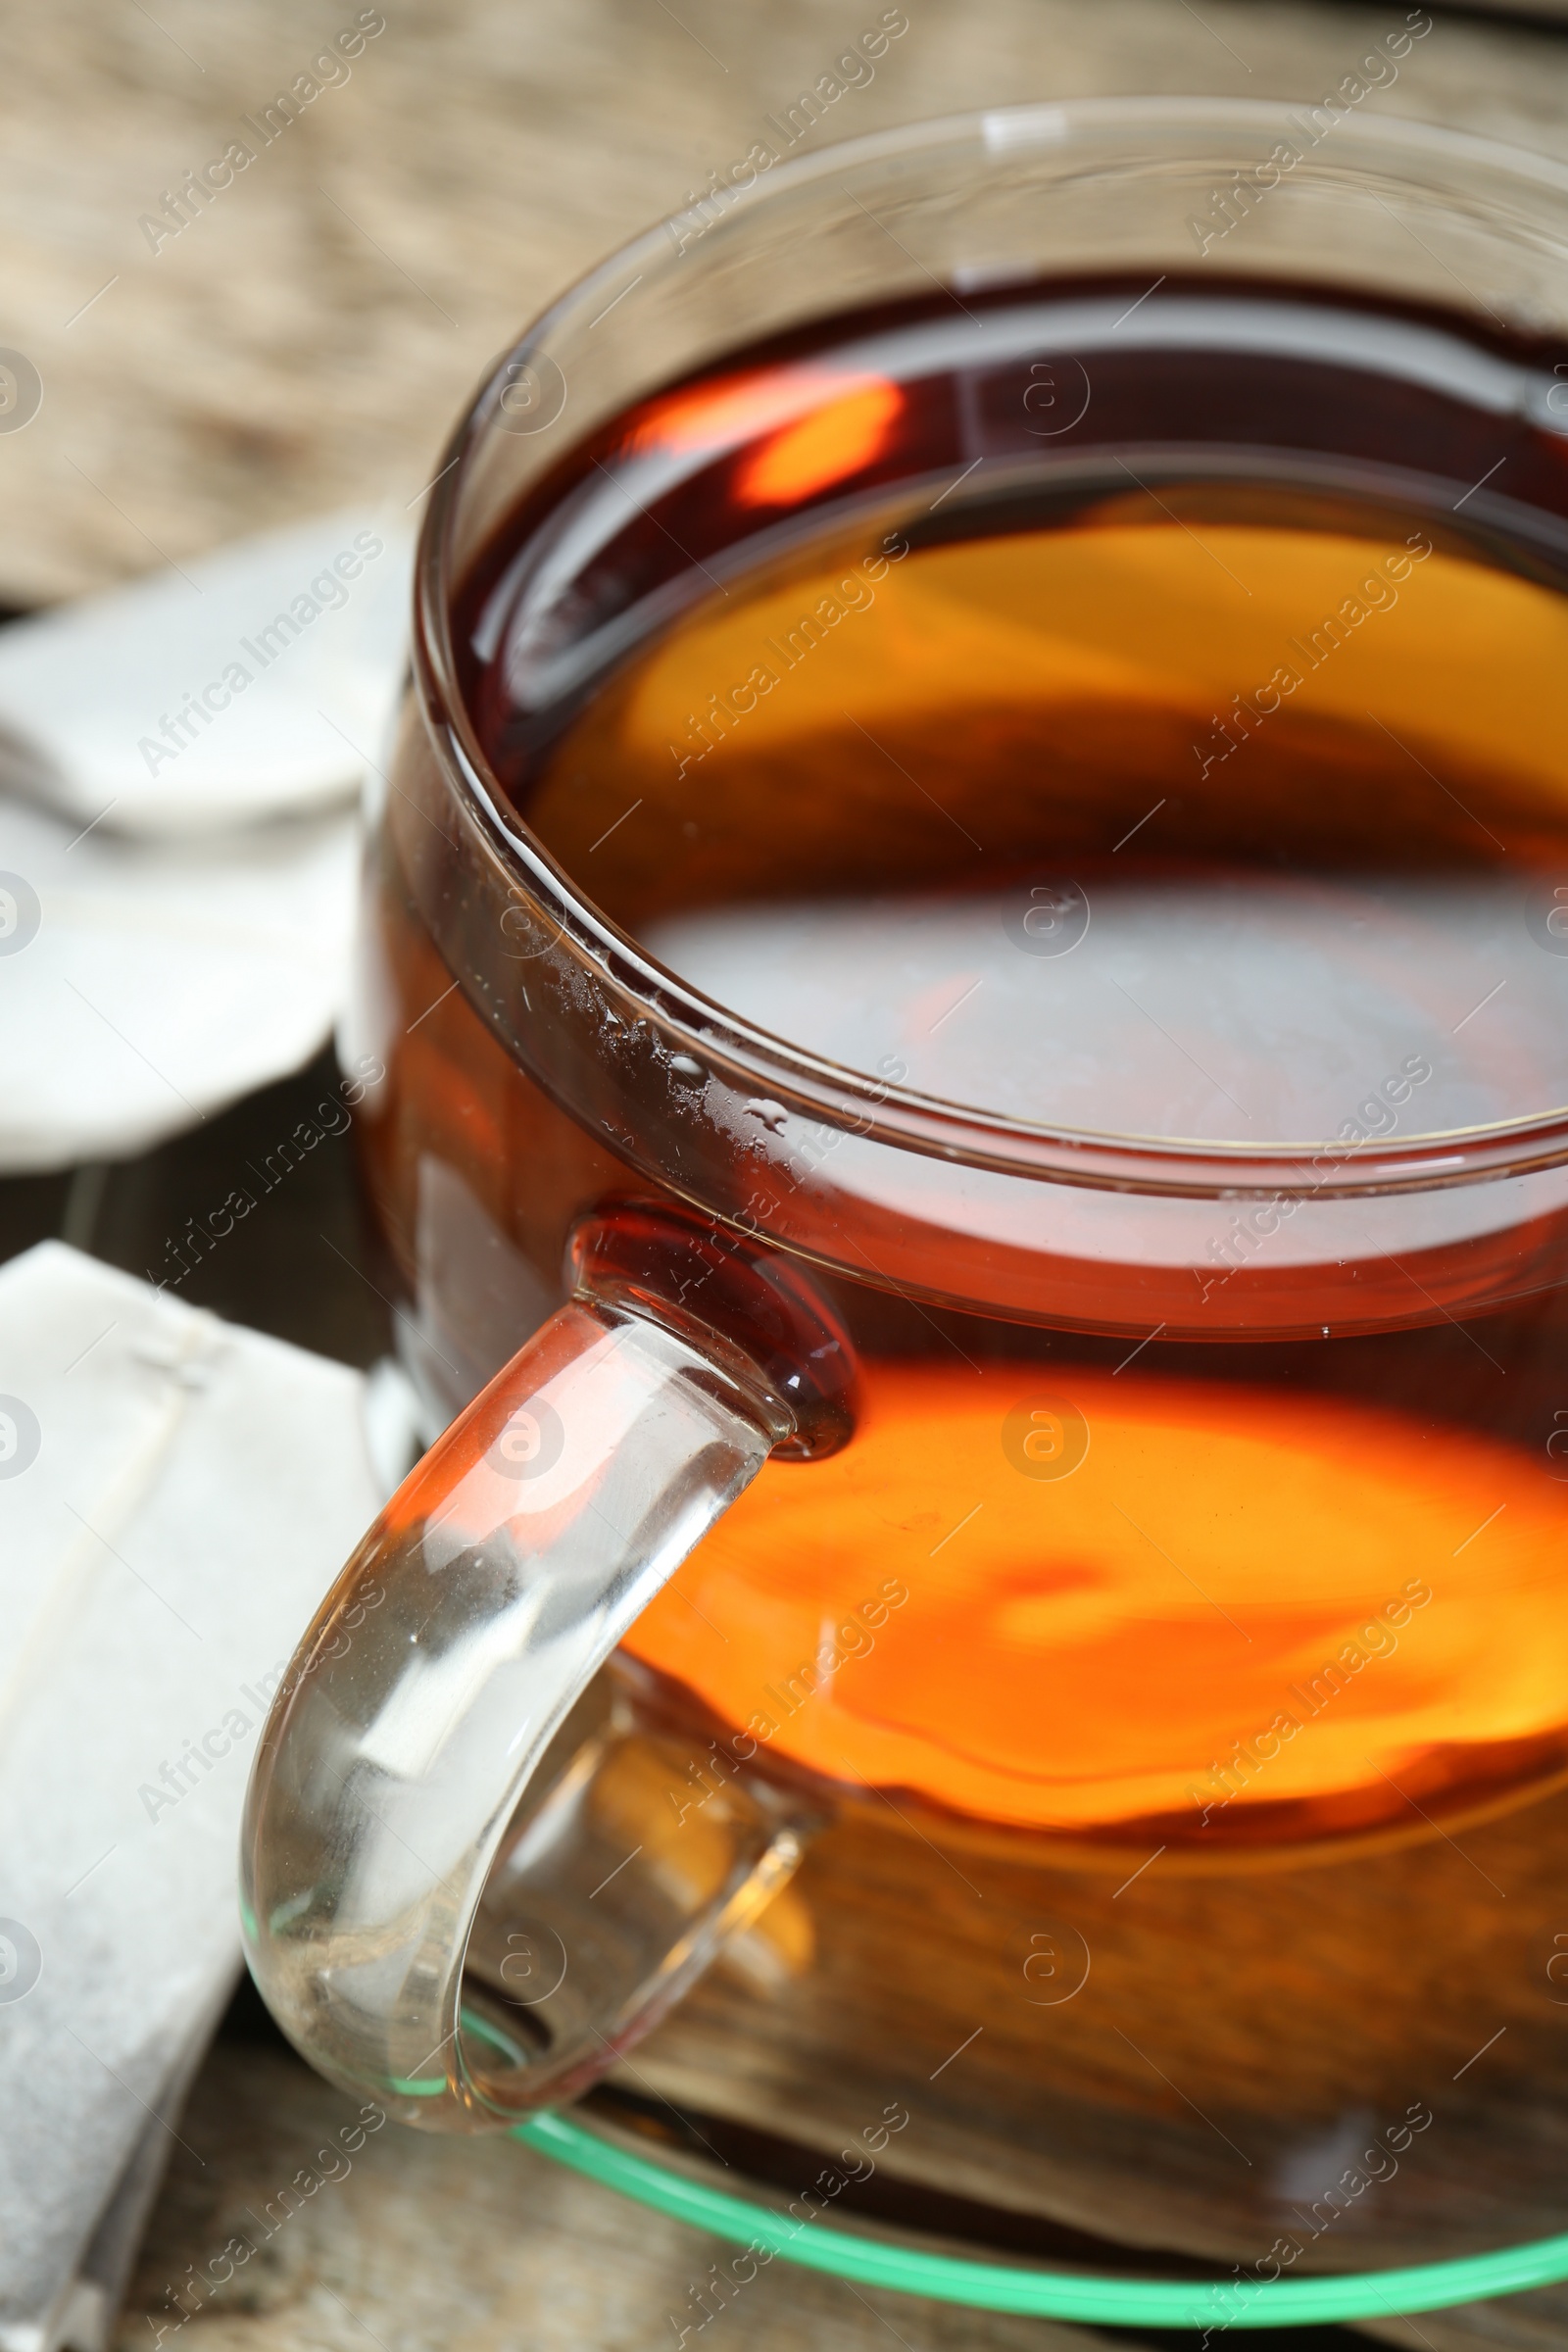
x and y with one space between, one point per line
432 1686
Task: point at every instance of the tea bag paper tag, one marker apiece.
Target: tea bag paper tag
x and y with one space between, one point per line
248 685
161 980
179 763
175 1496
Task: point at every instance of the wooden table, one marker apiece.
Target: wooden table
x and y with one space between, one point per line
308 339
305 341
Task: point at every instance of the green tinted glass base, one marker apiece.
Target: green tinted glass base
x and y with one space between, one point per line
1047 2294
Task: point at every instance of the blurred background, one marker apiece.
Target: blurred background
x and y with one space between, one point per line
305 341
308 339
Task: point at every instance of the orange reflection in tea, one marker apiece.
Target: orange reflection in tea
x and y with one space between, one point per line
1233 1613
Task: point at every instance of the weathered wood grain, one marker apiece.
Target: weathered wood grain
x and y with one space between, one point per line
411 2243
310 338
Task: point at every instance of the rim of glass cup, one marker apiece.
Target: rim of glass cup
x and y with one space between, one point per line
755 1059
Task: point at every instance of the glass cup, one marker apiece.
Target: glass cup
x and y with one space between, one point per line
1032 1649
